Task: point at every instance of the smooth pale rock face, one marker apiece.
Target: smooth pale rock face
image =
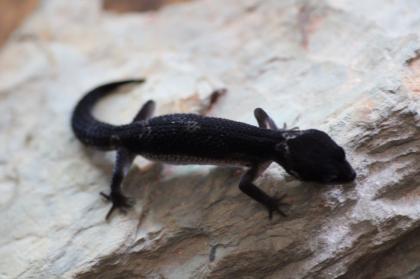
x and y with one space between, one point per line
350 69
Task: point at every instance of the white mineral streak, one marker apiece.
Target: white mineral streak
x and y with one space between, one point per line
347 67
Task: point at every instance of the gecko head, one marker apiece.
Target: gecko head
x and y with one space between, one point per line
312 155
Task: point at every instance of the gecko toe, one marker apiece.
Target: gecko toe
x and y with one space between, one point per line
285 127
105 196
274 204
119 201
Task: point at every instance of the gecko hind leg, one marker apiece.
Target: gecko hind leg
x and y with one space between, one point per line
124 160
146 111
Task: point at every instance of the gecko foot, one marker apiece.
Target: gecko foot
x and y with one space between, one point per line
118 201
273 204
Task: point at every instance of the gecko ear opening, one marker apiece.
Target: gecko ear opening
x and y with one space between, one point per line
282 151
281 146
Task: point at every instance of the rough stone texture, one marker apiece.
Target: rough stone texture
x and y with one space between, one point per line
347 67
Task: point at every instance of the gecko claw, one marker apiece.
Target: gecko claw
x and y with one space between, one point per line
107 197
274 204
119 201
295 128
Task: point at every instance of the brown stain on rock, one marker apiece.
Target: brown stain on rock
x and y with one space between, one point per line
12 14
309 21
123 6
412 81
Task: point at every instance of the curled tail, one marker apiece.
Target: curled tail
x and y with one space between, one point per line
90 130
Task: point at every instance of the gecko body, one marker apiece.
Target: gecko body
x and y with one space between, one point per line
309 155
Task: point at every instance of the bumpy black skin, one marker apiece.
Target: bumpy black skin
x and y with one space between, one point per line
309 155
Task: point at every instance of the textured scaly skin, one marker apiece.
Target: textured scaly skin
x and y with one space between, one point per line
194 139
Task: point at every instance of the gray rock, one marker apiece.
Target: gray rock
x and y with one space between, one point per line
351 69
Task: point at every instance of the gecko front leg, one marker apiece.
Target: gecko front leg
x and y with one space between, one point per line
124 160
246 186
264 121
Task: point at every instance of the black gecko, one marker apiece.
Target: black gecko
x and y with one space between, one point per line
309 155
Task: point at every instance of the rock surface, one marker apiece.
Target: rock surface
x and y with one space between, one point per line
346 67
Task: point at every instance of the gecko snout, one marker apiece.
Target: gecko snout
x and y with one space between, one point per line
346 174
349 176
